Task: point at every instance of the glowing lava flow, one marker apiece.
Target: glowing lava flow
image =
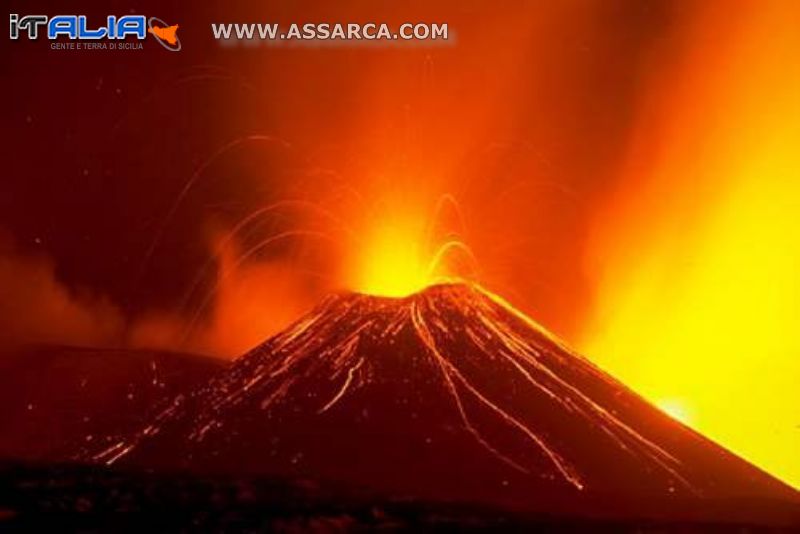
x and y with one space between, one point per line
449 392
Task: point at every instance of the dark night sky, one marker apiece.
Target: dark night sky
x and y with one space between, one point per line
99 143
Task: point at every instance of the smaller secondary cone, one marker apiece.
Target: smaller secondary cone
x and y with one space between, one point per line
56 398
447 394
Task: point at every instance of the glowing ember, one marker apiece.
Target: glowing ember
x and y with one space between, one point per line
676 409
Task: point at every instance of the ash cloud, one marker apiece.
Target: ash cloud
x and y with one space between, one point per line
35 307
248 303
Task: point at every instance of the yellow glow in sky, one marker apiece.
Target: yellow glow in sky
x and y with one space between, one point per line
698 266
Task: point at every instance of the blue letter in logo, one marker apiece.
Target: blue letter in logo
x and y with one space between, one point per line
84 33
134 25
62 24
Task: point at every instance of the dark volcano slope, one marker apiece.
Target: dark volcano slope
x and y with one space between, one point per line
446 394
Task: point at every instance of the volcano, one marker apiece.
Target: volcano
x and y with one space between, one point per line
450 394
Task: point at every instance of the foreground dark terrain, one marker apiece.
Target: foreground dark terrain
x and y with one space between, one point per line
92 499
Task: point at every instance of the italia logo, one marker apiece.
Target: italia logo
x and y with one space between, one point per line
76 27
